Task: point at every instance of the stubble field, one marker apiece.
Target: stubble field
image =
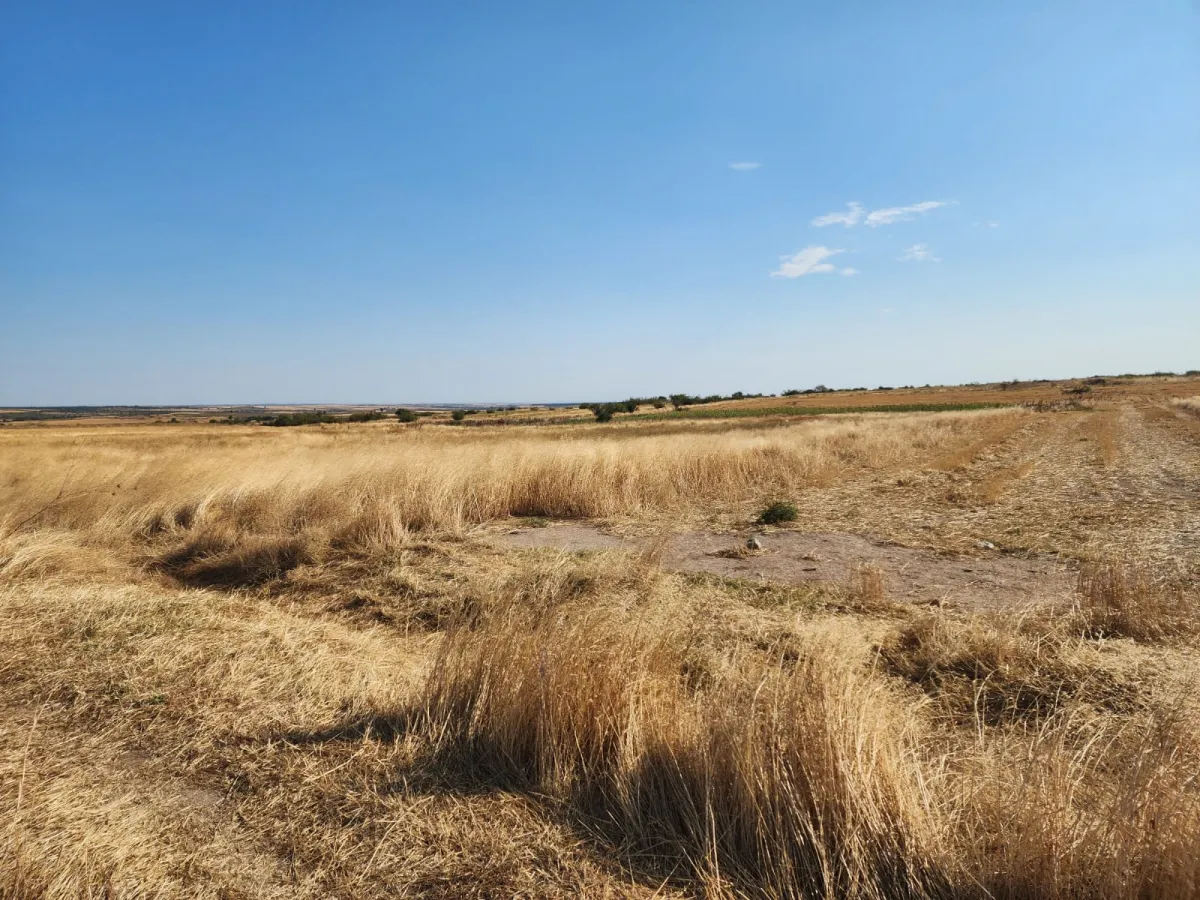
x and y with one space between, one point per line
425 661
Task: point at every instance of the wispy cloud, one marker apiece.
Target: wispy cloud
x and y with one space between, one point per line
918 253
891 214
849 271
745 166
852 216
855 214
809 261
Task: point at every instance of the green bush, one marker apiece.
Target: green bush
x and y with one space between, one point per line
458 415
406 415
287 420
779 511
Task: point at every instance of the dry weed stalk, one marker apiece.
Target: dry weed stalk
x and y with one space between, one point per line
1125 598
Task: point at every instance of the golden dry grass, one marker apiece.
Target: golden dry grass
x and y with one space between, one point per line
288 663
1188 404
246 505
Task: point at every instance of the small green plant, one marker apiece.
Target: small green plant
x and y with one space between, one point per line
779 511
406 415
458 415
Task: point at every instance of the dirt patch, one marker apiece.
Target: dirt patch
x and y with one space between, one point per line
792 557
566 537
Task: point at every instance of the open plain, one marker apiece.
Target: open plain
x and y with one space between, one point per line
426 660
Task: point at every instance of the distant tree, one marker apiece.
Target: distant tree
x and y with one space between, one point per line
406 415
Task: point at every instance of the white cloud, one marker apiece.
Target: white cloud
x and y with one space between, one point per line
809 261
891 214
849 271
888 215
852 216
918 253
745 166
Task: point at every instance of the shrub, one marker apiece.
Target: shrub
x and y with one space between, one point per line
603 412
458 415
292 419
406 415
779 511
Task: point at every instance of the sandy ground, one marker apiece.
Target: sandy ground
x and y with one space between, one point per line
792 557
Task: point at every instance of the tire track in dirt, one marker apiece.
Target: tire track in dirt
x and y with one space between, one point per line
1116 481
943 505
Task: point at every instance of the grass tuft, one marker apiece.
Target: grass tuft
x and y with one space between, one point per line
779 511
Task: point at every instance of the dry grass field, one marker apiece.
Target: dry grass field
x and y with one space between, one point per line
370 660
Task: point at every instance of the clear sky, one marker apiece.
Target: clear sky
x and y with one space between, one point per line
220 202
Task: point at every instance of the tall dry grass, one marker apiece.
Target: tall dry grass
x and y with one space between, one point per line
1188 404
1033 767
791 781
706 742
1126 598
229 506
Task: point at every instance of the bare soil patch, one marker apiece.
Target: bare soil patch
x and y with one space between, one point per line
991 580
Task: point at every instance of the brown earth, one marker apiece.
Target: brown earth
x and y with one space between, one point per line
793 557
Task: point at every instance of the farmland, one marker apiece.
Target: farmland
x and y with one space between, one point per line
386 658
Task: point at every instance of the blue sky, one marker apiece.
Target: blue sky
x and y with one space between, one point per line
380 202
